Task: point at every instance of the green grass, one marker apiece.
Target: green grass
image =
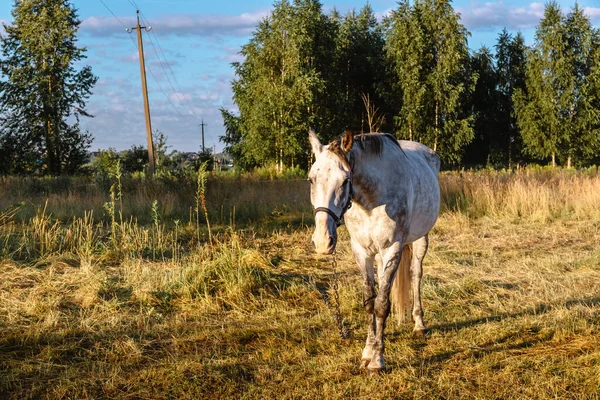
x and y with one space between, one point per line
511 292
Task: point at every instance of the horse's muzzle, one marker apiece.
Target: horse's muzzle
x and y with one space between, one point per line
324 241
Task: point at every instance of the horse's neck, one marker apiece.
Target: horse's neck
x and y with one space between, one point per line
368 176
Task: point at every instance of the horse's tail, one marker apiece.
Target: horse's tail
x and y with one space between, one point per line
401 293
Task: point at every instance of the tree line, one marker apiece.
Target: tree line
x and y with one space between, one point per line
412 74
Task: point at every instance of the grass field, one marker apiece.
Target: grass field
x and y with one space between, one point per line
135 301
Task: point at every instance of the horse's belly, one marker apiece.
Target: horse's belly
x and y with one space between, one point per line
419 229
425 210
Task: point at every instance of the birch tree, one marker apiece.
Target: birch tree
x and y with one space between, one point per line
42 94
428 49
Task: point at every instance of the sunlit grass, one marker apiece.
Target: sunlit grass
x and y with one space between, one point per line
95 309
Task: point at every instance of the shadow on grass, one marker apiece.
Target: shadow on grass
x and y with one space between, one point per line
427 365
537 309
86 362
523 339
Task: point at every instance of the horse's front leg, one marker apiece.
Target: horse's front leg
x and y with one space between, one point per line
365 265
390 258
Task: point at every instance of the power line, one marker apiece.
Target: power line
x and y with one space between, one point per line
149 69
114 15
138 29
185 99
163 67
134 4
139 48
164 93
136 46
190 108
117 18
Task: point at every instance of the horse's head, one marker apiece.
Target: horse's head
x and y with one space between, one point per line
331 188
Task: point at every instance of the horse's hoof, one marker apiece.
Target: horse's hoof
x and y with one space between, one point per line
364 363
420 332
376 366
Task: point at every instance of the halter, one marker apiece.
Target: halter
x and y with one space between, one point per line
336 219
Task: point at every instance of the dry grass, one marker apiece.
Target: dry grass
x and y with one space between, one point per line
66 198
511 292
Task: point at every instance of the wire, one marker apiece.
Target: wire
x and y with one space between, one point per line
134 4
151 33
121 22
164 69
185 99
164 93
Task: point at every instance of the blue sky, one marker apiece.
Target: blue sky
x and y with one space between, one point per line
189 51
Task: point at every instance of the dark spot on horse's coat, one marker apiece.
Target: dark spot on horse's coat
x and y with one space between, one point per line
382 307
366 195
370 306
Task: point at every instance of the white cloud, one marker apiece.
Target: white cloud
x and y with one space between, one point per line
119 116
180 97
593 13
493 15
130 58
497 14
2 23
382 15
179 25
230 58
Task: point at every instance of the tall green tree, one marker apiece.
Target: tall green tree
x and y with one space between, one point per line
510 69
581 102
557 115
316 33
592 89
538 110
360 68
42 95
427 46
487 145
233 138
278 83
406 45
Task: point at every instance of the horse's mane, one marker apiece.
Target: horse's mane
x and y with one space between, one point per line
372 143
368 143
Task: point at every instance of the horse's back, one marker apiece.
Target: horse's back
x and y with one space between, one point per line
417 152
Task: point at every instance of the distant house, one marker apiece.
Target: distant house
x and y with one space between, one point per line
92 155
190 156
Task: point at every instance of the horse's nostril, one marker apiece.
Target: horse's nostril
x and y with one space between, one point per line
313 243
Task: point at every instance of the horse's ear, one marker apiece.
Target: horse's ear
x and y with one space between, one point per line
347 140
315 144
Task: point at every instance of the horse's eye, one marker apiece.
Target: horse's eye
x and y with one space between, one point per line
310 180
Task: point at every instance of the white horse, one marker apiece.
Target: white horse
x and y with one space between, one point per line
387 191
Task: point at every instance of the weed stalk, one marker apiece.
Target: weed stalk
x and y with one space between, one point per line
201 201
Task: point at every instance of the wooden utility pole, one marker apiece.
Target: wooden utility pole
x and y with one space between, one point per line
215 157
145 92
203 125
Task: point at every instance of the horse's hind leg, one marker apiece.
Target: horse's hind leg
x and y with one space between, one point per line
416 272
